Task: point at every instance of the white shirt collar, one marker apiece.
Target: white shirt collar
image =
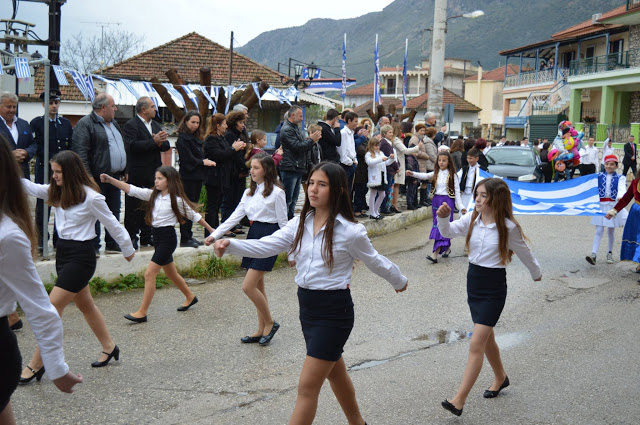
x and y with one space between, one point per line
143 120
15 119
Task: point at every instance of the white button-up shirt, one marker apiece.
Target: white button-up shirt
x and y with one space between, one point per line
347 148
606 150
162 214
19 281
442 185
483 244
589 155
146 124
350 243
471 177
77 223
272 209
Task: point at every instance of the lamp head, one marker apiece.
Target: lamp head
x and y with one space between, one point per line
312 70
474 14
298 70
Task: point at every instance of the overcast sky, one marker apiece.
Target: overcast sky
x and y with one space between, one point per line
161 21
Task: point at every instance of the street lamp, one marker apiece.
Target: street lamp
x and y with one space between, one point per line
312 71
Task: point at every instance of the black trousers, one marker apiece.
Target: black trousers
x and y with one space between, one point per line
214 199
192 188
626 169
39 217
134 213
231 197
586 169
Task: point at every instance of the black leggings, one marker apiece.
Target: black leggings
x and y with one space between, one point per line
214 199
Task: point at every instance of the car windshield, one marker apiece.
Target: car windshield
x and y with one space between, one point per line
510 156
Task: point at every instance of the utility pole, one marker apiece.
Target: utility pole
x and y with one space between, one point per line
102 25
231 59
436 60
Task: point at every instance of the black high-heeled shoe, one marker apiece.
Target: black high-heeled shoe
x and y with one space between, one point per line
491 394
36 374
114 354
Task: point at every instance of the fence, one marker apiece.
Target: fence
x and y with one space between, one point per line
619 133
535 77
610 62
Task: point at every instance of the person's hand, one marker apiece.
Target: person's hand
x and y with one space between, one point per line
392 156
220 246
20 154
404 288
279 151
420 144
292 263
409 173
238 144
538 279
104 178
316 135
208 163
65 383
444 210
609 216
129 258
463 211
209 240
443 128
160 137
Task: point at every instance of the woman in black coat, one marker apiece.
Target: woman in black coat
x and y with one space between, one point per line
192 168
239 172
218 179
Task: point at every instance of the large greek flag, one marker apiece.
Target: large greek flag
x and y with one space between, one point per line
578 196
343 91
22 68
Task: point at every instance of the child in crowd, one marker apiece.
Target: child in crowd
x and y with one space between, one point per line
492 236
611 187
377 176
468 176
167 205
630 249
445 187
257 142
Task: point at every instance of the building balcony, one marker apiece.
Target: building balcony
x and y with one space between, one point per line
604 63
534 78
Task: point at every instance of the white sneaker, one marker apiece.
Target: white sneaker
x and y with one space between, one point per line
609 258
591 259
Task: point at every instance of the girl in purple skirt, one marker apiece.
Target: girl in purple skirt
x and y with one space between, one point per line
445 188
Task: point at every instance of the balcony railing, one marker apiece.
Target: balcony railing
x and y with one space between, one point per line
536 77
610 62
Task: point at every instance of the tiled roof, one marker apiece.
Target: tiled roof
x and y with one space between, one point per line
420 102
496 74
187 55
70 92
588 26
361 91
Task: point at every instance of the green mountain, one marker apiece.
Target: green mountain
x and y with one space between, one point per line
506 24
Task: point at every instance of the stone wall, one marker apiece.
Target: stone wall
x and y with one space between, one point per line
634 108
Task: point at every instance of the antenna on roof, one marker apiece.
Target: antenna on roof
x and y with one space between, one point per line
102 25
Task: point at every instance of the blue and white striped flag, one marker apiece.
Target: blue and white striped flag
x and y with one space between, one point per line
256 88
191 95
376 77
215 92
577 196
404 74
80 83
91 91
22 68
207 96
60 76
343 92
108 81
129 86
173 92
228 90
153 95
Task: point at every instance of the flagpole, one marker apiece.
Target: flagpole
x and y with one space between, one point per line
375 80
404 77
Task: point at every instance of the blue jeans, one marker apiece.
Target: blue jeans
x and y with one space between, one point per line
350 170
291 181
388 190
112 195
359 198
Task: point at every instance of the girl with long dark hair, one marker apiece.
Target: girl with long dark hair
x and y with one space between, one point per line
19 281
167 205
265 205
324 242
492 236
77 204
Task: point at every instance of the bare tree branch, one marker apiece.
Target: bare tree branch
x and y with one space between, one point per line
90 53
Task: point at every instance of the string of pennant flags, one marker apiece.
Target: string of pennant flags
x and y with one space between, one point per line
84 83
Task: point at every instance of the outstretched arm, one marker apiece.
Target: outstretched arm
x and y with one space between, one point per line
106 178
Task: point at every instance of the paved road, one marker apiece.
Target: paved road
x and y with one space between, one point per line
569 345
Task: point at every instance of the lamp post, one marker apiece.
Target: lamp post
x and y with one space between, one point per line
298 68
436 61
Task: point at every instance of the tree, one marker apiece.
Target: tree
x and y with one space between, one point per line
91 53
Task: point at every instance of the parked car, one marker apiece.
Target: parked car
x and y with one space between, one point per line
521 163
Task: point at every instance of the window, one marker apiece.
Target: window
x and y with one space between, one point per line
616 46
391 86
591 52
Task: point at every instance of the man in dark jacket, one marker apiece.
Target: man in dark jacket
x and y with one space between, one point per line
430 121
331 137
17 131
144 139
60 133
630 157
98 141
294 157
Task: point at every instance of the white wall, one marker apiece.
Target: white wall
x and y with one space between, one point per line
30 110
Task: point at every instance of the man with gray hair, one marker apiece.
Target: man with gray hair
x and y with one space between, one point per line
17 131
98 141
430 121
144 139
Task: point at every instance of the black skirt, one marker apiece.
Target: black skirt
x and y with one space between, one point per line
258 230
486 293
327 320
165 242
11 362
75 264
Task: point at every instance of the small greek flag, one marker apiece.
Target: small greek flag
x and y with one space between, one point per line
129 85
228 92
215 92
22 68
60 76
80 83
152 95
173 92
207 96
256 88
191 95
91 91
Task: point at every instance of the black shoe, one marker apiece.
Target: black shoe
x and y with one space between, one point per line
189 244
135 319
115 353
115 249
194 240
394 210
387 213
238 232
250 339
16 326
411 207
451 408
446 253
37 375
267 338
491 394
430 258
229 235
187 307
428 203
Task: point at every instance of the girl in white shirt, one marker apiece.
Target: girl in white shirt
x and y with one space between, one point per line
445 187
19 281
377 172
167 205
77 205
265 205
492 236
324 241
